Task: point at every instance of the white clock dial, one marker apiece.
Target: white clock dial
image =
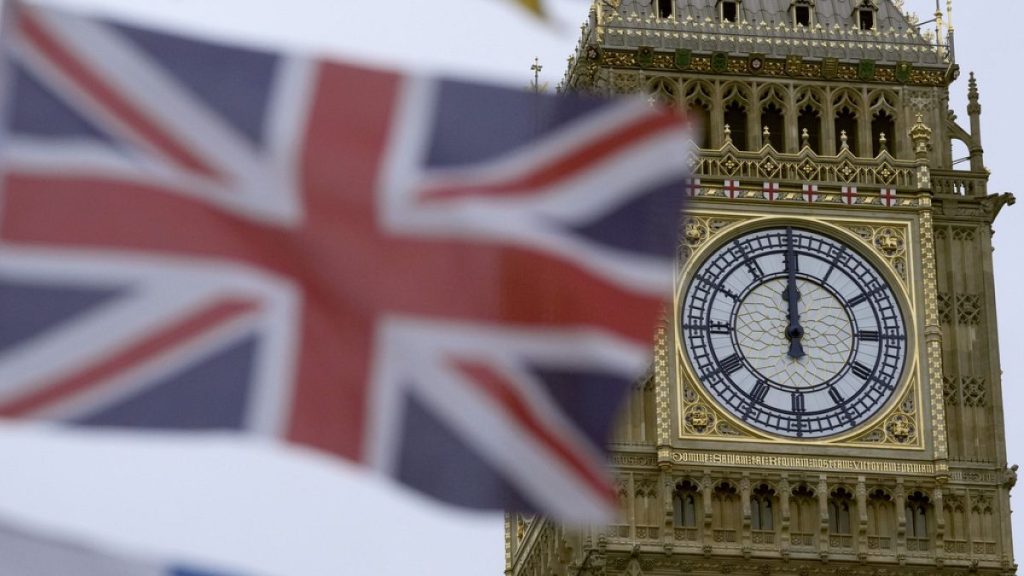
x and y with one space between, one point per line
794 332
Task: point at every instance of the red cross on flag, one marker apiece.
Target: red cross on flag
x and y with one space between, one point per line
811 192
389 268
732 188
771 190
888 196
849 194
692 186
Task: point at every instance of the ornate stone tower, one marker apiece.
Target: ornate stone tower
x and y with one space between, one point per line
825 396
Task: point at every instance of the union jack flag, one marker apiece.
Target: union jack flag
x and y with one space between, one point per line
31 553
451 283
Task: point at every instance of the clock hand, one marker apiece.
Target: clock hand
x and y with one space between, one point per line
794 332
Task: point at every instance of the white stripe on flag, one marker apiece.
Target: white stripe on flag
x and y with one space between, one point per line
31 553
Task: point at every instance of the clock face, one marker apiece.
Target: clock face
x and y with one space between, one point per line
794 333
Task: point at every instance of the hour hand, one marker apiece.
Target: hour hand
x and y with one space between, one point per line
794 332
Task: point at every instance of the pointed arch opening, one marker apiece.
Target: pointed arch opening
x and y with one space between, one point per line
736 121
762 508
726 513
686 506
808 121
804 515
917 512
697 96
773 120
846 130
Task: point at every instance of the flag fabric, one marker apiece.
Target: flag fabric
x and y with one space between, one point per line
532 5
449 282
27 553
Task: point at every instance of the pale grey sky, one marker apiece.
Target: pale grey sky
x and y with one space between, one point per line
284 512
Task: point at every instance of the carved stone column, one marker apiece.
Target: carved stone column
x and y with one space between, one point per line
823 514
862 517
745 504
784 492
900 496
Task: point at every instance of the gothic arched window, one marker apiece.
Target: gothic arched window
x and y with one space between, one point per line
839 505
881 520
736 120
697 96
684 504
803 513
775 124
762 508
726 513
917 515
808 120
883 125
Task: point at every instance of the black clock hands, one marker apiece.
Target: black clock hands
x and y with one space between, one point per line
793 331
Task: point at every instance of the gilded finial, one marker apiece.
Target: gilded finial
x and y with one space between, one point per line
767 133
536 86
805 139
921 135
844 145
882 142
728 133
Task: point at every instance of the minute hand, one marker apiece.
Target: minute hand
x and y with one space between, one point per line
794 331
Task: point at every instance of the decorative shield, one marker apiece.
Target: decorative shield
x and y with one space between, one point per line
644 55
683 58
866 70
903 71
719 62
829 68
755 63
794 65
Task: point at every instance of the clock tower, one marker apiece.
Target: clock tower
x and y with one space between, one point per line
825 396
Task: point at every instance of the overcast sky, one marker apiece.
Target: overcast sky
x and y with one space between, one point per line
284 512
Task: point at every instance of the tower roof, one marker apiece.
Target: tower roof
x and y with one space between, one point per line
827 12
835 29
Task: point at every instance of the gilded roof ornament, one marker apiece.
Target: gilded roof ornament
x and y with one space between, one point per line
921 135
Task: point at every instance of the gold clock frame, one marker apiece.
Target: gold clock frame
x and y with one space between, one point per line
886 245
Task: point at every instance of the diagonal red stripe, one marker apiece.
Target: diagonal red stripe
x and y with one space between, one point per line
194 325
108 96
566 165
498 388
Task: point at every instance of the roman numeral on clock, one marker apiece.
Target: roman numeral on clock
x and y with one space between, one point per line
759 392
719 328
798 402
731 364
862 371
857 300
836 396
869 335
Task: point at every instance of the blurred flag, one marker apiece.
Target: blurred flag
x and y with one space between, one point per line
24 553
532 5
449 282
